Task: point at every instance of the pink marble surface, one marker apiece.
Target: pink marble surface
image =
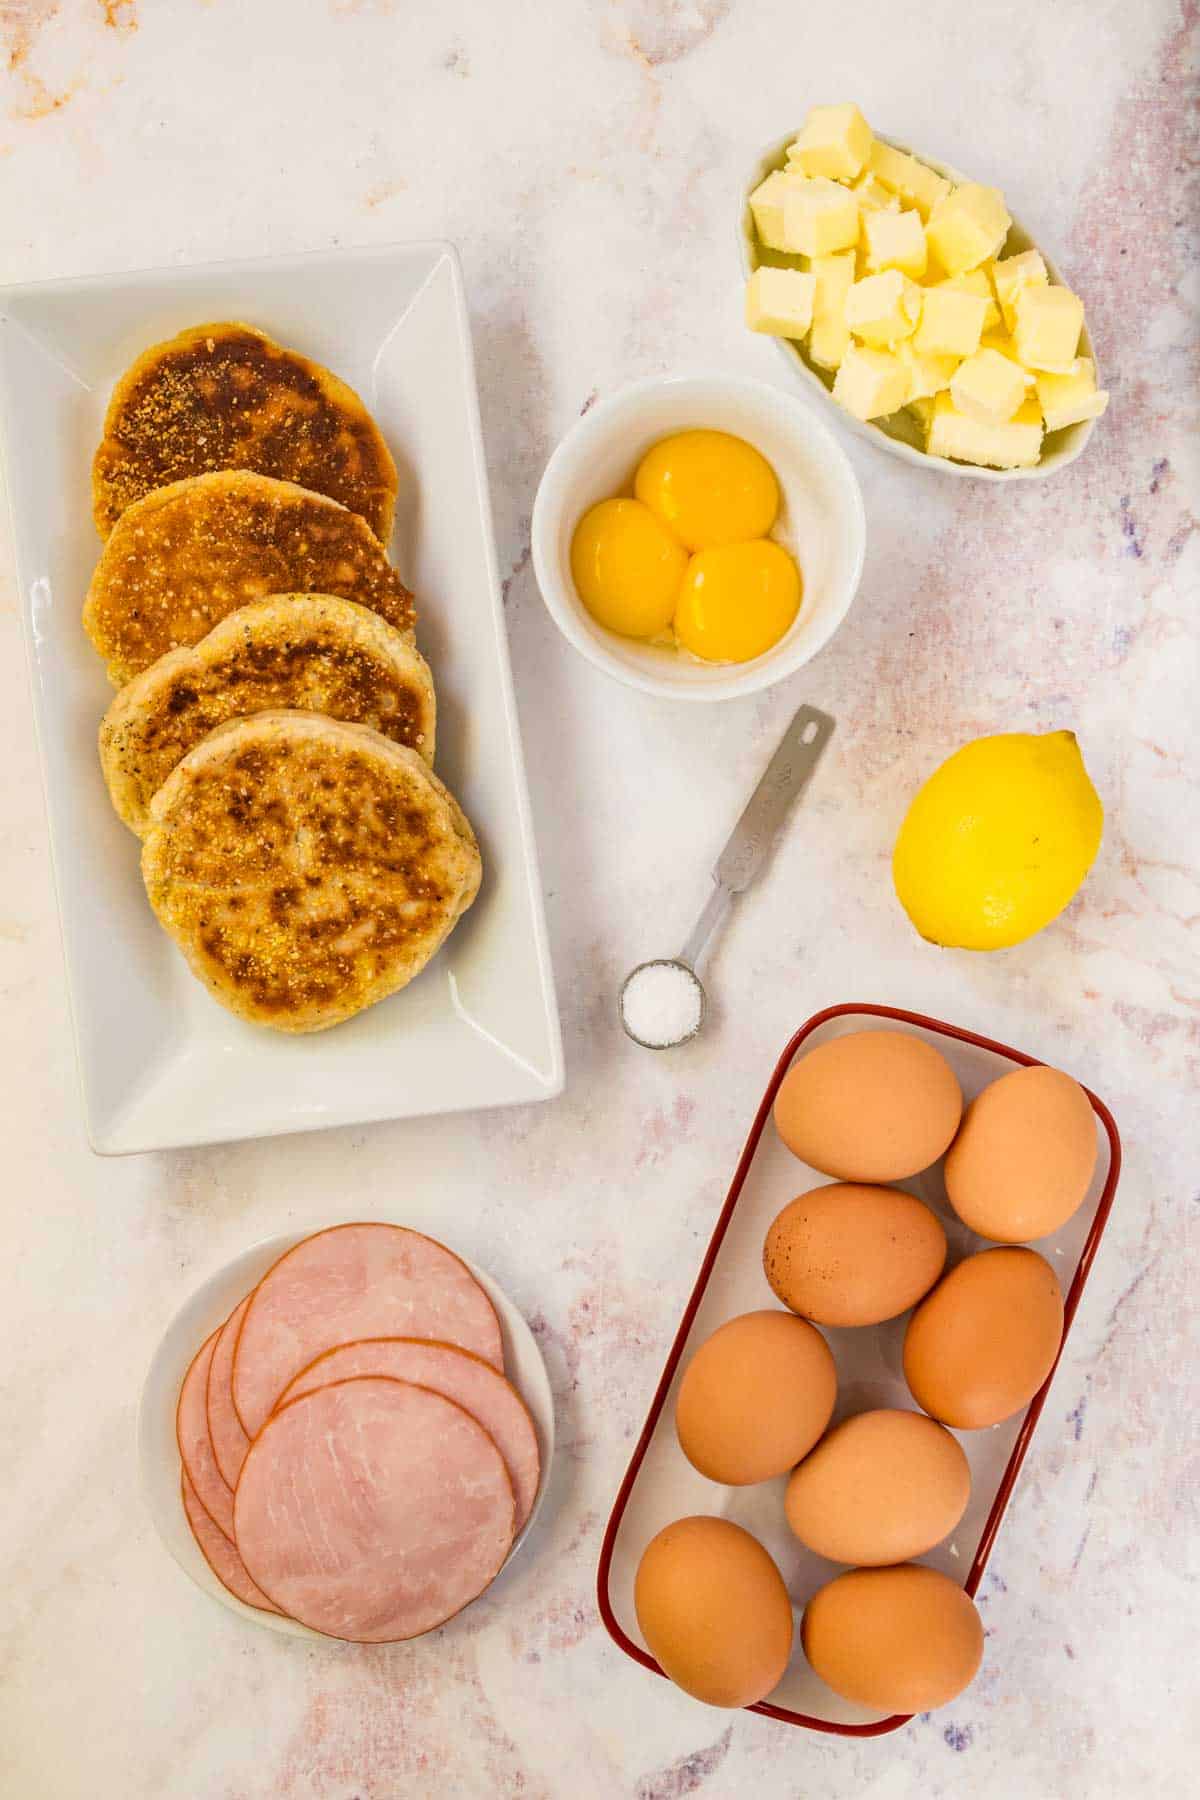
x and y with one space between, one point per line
586 158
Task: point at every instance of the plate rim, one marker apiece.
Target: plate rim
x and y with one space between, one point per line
1008 1480
112 1136
264 1253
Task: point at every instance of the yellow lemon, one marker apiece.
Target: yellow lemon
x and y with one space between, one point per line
998 840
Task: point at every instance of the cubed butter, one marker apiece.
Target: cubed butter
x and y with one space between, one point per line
916 183
1049 321
922 411
834 141
870 383
928 374
1069 399
951 322
976 281
766 204
819 217
873 196
988 387
998 339
895 240
1017 444
967 226
883 309
780 301
1011 276
830 336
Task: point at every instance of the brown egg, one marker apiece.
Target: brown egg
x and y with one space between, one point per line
875 1106
979 1348
1024 1156
714 1611
849 1254
755 1398
900 1640
879 1488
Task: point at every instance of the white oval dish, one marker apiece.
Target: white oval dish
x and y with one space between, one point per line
895 434
821 521
212 1302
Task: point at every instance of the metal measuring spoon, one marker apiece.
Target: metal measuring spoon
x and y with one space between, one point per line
674 977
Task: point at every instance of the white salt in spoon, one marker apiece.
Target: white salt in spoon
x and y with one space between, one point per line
662 1001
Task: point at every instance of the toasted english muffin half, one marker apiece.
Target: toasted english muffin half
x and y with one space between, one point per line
226 396
304 652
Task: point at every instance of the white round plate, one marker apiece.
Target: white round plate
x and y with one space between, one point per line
208 1307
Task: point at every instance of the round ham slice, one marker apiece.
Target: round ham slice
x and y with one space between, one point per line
373 1510
195 1445
220 1555
229 1441
351 1282
467 1380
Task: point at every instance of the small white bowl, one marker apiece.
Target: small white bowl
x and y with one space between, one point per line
898 434
821 522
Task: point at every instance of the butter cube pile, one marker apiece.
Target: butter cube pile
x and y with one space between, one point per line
904 294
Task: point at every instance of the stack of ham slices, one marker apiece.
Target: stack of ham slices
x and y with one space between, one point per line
353 1456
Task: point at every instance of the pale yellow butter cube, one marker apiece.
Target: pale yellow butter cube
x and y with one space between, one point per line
895 240
1049 321
1071 398
916 183
870 383
951 322
922 411
834 141
883 309
766 204
1017 444
988 387
819 217
927 375
873 196
998 339
830 336
976 281
1011 276
967 226
780 301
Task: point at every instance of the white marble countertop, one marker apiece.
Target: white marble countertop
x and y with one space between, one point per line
585 157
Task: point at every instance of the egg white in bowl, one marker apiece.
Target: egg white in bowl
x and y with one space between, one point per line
899 433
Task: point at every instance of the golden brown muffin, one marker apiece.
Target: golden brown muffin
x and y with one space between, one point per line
306 867
181 559
309 652
226 396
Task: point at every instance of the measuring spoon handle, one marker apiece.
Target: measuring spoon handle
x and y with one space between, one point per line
786 775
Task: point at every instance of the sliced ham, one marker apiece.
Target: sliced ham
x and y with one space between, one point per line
220 1555
469 1381
195 1445
229 1441
351 1282
373 1510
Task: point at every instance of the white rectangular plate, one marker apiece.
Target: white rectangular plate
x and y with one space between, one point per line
161 1063
661 1485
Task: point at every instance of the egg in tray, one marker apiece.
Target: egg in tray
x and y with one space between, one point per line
884 1485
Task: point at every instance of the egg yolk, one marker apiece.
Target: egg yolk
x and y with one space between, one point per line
627 568
737 600
709 487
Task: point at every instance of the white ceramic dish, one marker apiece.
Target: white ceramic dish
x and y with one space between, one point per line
208 1307
161 1063
821 522
898 434
661 1485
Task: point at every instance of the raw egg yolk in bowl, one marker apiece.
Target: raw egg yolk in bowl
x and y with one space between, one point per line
688 559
